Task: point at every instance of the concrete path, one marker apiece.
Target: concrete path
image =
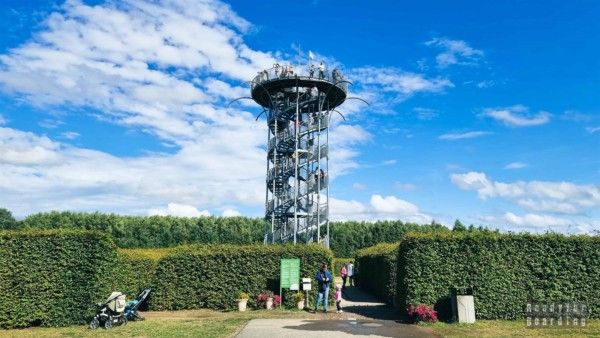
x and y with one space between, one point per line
302 328
363 316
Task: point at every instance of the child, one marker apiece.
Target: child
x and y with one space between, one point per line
338 298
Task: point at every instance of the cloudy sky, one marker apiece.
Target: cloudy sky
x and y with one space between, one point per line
489 114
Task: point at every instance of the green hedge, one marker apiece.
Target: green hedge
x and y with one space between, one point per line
135 269
212 276
54 277
505 270
377 268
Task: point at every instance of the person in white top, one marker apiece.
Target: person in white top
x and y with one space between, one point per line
350 269
321 70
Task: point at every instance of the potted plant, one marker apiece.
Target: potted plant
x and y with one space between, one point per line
243 301
299 298
265 299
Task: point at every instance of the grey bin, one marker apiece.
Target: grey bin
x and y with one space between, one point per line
463 305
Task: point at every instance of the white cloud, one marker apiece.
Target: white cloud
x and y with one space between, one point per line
462 136
119 57
592 130
229 212
70 135
517 116
535 220
399 83
379 208
23 148
176 209
556 197
393 205
3 120
359 186
516 165
455 52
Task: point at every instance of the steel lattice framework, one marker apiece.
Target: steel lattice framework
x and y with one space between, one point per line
299 107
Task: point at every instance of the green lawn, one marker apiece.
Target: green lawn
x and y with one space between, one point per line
506 328
214 324
193 323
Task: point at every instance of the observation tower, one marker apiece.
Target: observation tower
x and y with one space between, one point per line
298 102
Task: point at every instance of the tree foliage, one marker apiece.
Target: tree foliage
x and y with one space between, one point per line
7 221
168 231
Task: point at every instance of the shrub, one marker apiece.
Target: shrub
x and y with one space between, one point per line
7 221
422 313
505 271
135 269
204 276
53 277
377 270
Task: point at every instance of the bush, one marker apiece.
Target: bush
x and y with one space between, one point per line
194 277
53 278
377 270
505 271
135 269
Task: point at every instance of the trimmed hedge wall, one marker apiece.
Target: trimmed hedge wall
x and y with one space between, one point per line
377 268
135 269
212 276
53 277
505 270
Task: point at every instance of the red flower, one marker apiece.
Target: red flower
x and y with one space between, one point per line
422 312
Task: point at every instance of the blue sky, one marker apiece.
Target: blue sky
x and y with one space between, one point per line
486 113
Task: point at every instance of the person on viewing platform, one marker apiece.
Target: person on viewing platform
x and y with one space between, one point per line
311 71
335 75
351 273
344 274
324 279
276 66
321 70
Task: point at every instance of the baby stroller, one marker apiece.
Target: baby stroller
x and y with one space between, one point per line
110 313
132 306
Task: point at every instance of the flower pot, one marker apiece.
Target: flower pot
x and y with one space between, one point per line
270 303
242 303
301 304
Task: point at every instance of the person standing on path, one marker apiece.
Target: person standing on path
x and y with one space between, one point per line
350 271
344 274
324 279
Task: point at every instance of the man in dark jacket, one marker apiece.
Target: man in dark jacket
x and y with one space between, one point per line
324 279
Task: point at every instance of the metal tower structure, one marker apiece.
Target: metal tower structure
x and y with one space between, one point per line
299 103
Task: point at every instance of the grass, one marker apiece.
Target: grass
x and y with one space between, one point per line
511 328
192 323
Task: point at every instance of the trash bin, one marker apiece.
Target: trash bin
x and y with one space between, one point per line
463 304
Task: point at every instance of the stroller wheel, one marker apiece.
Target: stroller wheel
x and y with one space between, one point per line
108 324
95 323
123 320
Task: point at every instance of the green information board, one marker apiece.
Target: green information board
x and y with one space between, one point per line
290 274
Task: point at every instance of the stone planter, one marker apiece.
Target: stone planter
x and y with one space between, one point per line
242 304
300 305
270 303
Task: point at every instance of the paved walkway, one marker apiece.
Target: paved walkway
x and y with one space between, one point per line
363 316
